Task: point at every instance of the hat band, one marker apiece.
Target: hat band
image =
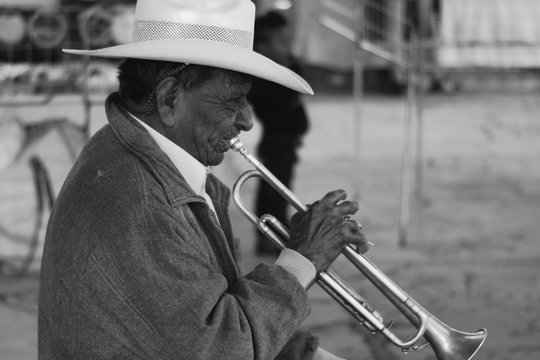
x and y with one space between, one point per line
146 30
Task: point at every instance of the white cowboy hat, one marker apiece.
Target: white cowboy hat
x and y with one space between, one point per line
216 33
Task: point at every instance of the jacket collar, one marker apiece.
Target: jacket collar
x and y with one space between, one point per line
191 169
138 140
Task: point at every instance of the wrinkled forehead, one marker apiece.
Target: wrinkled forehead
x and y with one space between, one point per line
234 77
231 81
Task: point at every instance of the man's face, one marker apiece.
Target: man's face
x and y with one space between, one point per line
208 116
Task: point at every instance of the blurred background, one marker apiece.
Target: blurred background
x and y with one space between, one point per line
425 111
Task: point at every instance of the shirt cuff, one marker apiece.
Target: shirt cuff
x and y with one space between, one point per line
299 266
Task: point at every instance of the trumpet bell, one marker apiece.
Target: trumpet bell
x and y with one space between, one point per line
451 344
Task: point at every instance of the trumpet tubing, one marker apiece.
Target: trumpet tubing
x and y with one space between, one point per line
447 343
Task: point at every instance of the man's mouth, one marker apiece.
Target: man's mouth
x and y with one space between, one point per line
224 144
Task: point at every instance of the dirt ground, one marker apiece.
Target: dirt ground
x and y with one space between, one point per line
472 256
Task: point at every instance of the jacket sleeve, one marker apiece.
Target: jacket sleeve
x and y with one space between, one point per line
166 288
301 346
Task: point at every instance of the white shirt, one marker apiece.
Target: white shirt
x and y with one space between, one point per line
195 175
193 171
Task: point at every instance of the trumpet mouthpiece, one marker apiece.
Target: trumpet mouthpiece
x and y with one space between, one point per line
236 144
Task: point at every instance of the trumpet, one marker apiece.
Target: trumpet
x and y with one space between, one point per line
447 343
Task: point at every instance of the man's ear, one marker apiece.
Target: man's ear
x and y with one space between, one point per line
166 93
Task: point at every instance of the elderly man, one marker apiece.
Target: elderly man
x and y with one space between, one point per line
139 259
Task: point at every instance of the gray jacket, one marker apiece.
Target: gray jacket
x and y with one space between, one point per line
135 265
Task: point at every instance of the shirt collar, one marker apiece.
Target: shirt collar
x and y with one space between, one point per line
193 171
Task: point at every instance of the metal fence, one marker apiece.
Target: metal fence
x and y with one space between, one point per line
39 143
431 45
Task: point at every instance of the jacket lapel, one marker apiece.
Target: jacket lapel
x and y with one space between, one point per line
176 189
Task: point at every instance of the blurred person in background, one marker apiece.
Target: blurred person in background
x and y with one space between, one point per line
139 258
423 19
283 118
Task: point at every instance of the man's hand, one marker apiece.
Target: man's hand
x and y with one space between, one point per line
321 233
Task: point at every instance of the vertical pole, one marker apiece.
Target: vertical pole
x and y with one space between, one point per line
86 101
412 162
358 69
410 146
419 169
425 62
395 33
419 161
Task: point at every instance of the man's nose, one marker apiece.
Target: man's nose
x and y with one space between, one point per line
244 119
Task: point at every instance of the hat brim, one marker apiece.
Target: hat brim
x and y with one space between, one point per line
205 52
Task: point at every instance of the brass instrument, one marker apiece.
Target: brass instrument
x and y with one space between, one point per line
447 343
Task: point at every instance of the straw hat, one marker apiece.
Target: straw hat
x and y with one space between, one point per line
216 33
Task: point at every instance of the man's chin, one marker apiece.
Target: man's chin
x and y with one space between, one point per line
216 159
